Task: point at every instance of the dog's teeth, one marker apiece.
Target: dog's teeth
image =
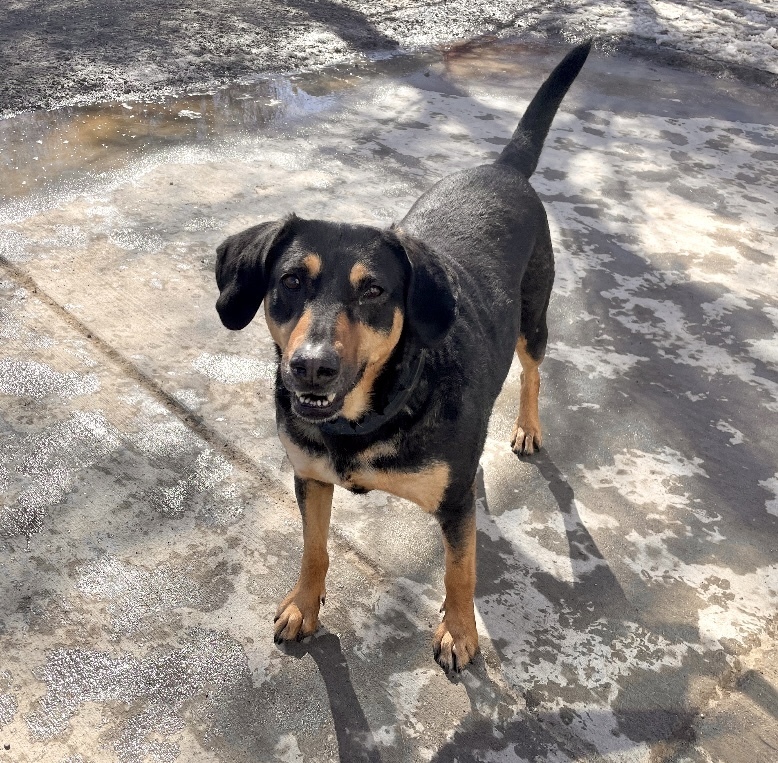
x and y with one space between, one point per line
315 402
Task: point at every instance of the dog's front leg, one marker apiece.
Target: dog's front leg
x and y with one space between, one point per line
298 613
456 639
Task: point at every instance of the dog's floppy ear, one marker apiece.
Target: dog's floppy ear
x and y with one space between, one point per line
242 266
431 300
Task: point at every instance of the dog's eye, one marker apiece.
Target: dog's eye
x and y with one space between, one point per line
372 292
291 282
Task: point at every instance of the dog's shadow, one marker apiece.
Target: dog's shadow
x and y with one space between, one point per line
355 739
590 568
591 573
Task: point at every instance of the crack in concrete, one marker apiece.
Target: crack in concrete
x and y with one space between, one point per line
274 489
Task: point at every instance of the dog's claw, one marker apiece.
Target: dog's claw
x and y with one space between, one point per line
297 616
454 652
525 440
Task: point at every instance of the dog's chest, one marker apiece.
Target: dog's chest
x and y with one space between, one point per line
425 486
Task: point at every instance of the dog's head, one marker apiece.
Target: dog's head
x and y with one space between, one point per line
338 299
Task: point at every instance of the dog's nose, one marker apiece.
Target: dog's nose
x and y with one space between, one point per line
315 364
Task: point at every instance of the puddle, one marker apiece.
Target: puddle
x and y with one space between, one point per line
498 59
63 145
49 151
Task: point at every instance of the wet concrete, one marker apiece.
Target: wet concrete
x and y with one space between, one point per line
148 522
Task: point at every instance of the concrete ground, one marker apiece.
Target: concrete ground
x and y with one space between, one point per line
628 574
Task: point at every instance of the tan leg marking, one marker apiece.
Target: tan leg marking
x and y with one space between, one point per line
456 640
298 614
527 436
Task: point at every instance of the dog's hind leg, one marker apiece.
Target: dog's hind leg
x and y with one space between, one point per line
527 435
298 614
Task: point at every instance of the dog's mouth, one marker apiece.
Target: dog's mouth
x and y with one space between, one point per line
316 401
316 407
318 404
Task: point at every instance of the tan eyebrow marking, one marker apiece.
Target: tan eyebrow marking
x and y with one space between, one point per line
312 263
358 274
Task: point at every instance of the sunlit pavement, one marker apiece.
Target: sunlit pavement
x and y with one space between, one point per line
628 574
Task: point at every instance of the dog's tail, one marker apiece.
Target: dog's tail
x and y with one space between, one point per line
523 152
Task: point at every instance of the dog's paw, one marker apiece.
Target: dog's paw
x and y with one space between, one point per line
455 643
297 615
526 438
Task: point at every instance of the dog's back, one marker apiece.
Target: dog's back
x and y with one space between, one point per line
490 227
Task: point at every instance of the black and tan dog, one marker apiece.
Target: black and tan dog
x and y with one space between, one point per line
393 345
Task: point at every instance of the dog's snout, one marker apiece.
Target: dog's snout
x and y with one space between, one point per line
315 364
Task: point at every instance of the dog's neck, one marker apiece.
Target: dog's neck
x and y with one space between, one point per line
406 376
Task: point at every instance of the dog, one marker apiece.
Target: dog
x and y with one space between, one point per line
393 346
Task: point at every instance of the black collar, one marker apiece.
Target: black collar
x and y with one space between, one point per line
412 365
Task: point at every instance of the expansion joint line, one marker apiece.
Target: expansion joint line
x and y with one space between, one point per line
273 488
